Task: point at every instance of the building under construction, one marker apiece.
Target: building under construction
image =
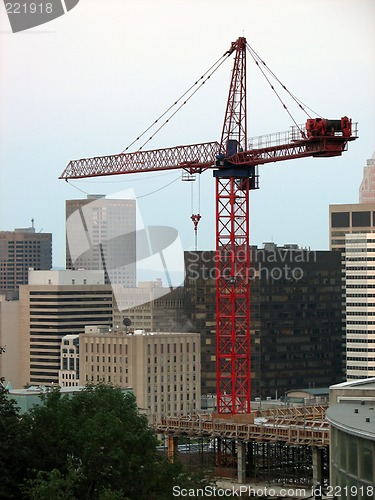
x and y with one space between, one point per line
285 445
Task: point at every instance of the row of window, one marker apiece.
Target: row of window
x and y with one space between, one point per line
359 295
360 322
360 313
362 368
364 277
362 349
360 341
360 285
357 250
360 304
360 268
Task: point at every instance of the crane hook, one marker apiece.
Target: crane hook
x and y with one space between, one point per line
196 218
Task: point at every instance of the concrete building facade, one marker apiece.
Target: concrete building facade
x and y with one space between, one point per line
52 305
101 235
9 339
69 361
163 369
21 250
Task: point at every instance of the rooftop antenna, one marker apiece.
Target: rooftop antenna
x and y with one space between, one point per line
32 223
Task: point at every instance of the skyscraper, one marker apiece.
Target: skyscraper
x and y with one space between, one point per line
352 232
21 250
100 235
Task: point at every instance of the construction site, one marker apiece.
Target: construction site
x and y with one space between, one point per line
287 445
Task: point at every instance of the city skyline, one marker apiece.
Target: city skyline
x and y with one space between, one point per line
88 95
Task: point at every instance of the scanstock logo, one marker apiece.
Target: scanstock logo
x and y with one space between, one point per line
112 236
26 14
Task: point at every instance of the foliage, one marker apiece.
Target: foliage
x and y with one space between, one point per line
11 451
95 445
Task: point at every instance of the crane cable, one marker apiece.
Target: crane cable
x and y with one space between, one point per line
260 63
200 82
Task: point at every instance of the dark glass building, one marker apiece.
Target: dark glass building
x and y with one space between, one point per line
296 317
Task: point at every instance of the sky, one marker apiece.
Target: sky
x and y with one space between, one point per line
91 81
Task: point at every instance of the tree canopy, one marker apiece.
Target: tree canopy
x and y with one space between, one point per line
91 445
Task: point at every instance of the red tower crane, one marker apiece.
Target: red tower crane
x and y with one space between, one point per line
234 165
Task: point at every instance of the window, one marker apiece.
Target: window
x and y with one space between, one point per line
340 219
360 219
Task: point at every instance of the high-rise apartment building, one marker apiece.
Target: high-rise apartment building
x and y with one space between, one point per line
163 369
52 305
360 305
21 250
101 235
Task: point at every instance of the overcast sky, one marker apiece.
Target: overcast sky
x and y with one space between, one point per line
86 84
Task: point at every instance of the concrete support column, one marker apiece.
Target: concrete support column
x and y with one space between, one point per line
250 459
241 462
172 447
317 457
218 451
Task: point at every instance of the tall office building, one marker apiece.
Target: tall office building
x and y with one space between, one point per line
360 305
352 229
52 305
296 318
100 235
21 250
352 218
163 369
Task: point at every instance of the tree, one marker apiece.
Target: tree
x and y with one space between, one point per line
95 445
12 465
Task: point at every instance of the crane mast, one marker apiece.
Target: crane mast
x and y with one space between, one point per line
235 168
233 251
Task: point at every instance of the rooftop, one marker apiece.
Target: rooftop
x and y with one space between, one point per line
353 417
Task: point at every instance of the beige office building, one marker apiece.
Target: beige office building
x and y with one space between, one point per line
349 219
9 339
163 369
52 305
